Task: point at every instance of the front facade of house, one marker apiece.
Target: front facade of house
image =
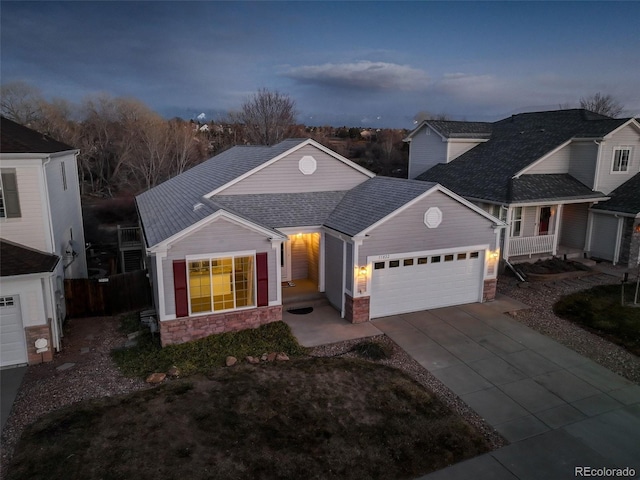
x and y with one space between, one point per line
544 173
224 238
39 211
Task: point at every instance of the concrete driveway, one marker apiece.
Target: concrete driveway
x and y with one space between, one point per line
558 409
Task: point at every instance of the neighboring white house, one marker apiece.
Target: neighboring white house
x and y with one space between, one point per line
566 181
41 219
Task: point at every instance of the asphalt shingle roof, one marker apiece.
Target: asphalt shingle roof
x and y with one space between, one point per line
625 198
563 186
16 138
21 260
283 209
455 129
516 142
169 207
373 200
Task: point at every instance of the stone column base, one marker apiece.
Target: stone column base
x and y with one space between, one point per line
356 310
489 290
34 333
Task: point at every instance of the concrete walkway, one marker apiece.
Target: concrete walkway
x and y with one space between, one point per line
558 409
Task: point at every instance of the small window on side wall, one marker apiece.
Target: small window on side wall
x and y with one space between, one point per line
378 265
621 158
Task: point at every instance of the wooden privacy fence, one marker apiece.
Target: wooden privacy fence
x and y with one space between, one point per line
86 297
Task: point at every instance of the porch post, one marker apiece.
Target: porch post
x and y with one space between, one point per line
556 229
507 234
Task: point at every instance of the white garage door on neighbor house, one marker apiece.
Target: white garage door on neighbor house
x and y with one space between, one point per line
419 281
13 347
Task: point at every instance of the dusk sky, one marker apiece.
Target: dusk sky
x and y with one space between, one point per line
344 63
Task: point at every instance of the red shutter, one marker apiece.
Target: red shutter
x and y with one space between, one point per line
180 287
262 271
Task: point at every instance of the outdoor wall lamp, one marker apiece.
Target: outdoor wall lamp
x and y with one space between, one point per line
362 271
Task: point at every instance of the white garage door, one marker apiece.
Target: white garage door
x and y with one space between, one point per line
13 348
418 282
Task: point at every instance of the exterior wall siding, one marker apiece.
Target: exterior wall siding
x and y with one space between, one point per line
458 148
219 237
574 225
299 260
582 165
608 181
556 163
603 236
349 268
333 271
29 229
284 176
406 232
425 151
313 256
66 213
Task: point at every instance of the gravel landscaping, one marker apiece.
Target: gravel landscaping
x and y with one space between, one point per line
542 296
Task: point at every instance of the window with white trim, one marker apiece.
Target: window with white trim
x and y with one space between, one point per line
621 159
498 211
9 199
6 302
218 284
516 222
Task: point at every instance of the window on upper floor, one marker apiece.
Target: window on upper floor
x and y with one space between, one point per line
9 199
498 211
621 159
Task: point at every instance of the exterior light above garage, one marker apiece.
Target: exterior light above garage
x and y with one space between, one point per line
362 271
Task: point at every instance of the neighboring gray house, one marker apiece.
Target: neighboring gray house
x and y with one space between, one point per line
40 220
223 238
547 174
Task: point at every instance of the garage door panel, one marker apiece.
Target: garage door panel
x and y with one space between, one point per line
13 349
423 286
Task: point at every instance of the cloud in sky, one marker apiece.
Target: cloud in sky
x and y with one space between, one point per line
362 75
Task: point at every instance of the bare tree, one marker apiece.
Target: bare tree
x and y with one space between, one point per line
602 104
267 116
21 102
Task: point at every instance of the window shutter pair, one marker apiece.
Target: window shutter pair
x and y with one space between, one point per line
10 195
180 284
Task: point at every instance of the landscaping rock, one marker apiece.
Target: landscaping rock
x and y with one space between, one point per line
282 357
173 372
264 357
157 377
231 361
252 360
271 357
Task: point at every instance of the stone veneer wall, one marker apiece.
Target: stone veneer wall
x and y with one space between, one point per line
489 290
185 329
34 333
356 310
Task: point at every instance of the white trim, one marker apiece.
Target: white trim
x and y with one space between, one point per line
213 256
589 233
276 246
344 278
560 202
163 245
596 173
617 214
295 230
542 159
616 251
300 145
631 121
321 260
162 308
557 228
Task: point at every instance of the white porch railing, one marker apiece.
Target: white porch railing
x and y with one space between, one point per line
531 245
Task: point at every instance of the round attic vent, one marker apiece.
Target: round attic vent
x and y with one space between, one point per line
433 217
307 165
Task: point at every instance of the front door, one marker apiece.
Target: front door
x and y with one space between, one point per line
543 221
285 260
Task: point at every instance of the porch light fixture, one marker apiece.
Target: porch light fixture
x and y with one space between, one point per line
362 271
494 255
299 235
637 229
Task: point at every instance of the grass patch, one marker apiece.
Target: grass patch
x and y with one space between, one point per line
599 310
201 356
304 419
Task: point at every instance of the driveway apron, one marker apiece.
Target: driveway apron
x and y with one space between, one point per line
558 409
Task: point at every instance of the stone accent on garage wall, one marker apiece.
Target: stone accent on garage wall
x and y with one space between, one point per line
34 333
489 290
185 329
356 310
